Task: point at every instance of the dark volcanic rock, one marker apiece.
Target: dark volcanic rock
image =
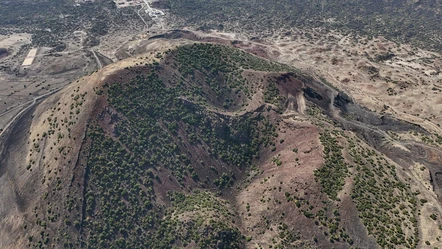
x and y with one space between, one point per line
3 52
342 100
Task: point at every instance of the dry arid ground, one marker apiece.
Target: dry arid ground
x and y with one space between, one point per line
31 170
51 69
382 76
407 85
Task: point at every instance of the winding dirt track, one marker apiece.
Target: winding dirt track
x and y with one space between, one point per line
30 105
97 59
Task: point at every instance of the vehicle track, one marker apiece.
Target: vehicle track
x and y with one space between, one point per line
97 59
30 105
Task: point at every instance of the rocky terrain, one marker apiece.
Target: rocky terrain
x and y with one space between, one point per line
201 145
239 131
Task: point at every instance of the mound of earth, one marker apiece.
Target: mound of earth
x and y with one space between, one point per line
207 146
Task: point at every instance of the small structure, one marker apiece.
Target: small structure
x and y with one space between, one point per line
127 3
151 11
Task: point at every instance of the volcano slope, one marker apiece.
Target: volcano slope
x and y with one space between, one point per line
206 146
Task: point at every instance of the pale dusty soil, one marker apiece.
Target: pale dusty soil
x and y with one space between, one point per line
290 175
409 84
429 228
414 95
14 41
17 182
413 74
30 57
20 84
62 108
415 100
